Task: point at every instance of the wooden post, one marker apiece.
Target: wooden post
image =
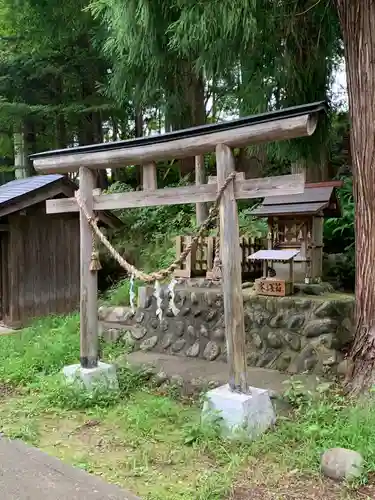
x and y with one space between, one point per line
89 279
270 236
291 271
201 209
231 269
265 269
149 180
317 247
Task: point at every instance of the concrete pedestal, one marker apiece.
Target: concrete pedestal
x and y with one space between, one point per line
242 414
103 376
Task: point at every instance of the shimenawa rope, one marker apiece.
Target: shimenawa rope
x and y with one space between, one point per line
163 273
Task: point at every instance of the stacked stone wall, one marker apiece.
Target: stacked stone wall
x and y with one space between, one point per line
290 334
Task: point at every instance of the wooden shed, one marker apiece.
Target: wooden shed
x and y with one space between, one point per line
40 266
296 222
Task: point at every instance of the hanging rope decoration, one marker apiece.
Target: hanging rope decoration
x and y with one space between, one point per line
132 294
172 305
160 275
217 266
95 260
159 300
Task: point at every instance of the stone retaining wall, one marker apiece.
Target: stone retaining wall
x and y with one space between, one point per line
291 334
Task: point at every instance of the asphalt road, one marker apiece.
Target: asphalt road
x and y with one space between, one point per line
29 474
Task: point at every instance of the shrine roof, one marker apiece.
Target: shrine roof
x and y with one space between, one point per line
316 198
274 255
191 132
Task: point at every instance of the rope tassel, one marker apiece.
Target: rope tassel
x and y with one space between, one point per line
95 259
217 267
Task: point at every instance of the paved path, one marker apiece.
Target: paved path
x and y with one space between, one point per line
29 474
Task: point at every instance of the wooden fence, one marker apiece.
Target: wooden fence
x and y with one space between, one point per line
201 258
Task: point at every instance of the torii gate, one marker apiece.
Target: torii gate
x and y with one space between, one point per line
279 125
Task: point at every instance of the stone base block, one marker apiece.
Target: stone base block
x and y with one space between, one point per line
103 376
242 414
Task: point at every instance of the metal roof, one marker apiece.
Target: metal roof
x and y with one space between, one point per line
190 132
21 187
12 191
313 200
293 208
310 195
275 255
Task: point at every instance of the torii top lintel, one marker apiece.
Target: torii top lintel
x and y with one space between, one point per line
289 123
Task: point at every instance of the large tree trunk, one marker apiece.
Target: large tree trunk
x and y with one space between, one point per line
357 19
201 209
314 171
193 110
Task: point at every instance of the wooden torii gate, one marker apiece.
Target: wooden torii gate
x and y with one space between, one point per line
281 125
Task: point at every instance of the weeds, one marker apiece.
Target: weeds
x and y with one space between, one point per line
320 421
153 444
42 349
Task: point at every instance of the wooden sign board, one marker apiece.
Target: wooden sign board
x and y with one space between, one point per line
273 287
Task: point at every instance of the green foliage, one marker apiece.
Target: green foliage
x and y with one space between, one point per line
155 222
42 349
250 225
51 72
244 39
151 440
119 294
339 232
34 358
322 420
339 238
55 392
147 239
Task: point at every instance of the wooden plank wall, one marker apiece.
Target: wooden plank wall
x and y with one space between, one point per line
44 273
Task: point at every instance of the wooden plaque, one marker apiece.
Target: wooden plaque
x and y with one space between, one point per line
271 287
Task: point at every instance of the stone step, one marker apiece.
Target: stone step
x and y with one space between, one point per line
111 331
112 314
200 373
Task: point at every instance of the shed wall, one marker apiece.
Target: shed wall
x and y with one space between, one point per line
44 276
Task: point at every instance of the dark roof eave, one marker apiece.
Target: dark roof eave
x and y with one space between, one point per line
20 197
107 218
312 108
277 212
327 213
282 214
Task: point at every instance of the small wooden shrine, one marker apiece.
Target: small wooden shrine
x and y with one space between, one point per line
271 285
296 223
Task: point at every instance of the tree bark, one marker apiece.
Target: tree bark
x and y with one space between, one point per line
201 209
314 171
195 110
357 18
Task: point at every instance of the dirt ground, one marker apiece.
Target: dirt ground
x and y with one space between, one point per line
297 487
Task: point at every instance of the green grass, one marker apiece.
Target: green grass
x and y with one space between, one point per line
119 295
155 444
318 423
42 349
